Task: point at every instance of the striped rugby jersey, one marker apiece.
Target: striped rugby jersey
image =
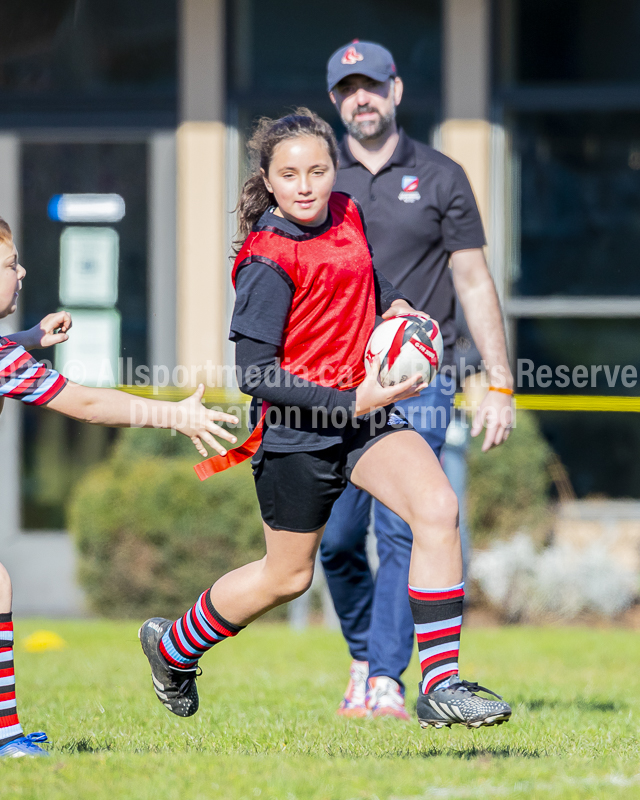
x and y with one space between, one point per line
24 378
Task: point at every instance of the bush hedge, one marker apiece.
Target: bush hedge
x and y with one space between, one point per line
150 535
508 487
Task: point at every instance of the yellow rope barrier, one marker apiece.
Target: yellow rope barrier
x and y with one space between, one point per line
569 402
212 396
530 402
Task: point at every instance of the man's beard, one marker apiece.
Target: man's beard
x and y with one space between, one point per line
368 130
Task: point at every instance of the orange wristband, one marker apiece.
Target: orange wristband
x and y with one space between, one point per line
502 389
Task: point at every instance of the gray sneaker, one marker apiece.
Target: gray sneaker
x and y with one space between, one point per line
175 688
459 703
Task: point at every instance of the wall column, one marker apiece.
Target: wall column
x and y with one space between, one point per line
162 249
10 418
466 132
200 143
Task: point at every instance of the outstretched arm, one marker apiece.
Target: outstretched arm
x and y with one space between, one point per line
481 307
119 409
53 329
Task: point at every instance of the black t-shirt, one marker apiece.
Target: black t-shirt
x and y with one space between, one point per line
263 303
419 209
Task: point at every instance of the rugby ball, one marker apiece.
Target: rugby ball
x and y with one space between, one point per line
405 345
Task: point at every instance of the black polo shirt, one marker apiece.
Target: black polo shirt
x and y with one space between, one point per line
419 208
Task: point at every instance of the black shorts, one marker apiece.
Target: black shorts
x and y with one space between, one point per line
296 491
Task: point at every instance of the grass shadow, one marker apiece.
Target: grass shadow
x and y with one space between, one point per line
482 753
85 745
602 706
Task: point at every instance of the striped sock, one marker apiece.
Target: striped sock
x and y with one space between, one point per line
437 615
196 632
10 728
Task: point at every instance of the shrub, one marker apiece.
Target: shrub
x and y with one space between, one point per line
150 535
508 487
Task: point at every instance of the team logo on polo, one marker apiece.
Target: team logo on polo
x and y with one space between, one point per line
409 186
352 56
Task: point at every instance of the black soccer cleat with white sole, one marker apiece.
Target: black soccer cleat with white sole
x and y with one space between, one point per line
175 688
458 703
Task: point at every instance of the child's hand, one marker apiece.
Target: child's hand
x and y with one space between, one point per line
198 423
49 331
371 394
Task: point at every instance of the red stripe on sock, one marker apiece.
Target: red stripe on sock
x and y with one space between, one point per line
440 657
6 626
427 637
167 657
198 625
439 679
212 620
179 635
6 673
6 722
4 696
431 596
187 633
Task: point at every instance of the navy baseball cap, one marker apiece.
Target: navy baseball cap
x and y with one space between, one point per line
360 58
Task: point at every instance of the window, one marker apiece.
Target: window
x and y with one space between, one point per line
567 90
57 451
604 346
569 41
580 203
278 53
73 62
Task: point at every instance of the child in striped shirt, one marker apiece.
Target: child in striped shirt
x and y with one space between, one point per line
23 378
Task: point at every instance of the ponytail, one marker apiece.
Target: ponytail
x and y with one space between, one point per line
255 198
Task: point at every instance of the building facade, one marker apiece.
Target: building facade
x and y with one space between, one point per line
152 100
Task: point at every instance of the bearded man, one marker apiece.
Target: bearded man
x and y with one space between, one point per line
426 235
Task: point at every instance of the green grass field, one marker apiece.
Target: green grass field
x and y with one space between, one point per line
267 729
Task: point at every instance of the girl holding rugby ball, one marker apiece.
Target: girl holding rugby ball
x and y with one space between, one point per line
306 301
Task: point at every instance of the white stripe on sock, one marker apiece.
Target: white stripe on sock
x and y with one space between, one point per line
439 648
429 627
436 591
451 666
11 730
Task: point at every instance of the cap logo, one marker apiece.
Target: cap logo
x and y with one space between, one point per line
351 56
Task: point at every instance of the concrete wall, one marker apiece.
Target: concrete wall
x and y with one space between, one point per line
615 524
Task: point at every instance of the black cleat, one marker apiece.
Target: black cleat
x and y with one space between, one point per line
176 688
459 703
